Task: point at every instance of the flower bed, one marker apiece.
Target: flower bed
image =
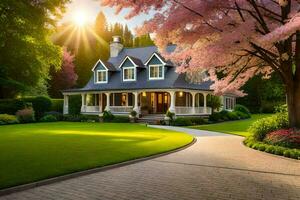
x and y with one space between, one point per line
284 137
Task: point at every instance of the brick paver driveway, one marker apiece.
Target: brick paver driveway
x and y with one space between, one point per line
217 167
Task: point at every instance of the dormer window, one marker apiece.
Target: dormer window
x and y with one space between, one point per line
156 72
129 73
101 76
101 70
129 68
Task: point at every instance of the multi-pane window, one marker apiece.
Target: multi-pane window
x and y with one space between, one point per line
101 76
156 72
229 103
129 74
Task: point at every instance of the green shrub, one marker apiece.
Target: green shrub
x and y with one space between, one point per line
264 126
232 115
57 115
120 119
81 118
198 120
182 121
133 114
224 115
48 118
108 116
170 114
74 105
241 108
279 150
242 115
26 115
41 104
11 106
262 147
8 119
287 153
270 149
57 105
215 117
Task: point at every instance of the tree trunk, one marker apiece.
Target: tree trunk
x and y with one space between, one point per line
293 102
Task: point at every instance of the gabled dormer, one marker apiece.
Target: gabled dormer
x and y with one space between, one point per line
129 68
156 67
101 71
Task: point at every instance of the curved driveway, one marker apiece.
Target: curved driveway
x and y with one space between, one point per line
216 167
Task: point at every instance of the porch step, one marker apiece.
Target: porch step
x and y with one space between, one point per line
151 119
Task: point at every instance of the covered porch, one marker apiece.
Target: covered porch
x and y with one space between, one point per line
181 102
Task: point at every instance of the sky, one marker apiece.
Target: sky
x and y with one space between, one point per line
93 7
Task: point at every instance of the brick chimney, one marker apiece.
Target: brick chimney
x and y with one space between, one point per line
115 46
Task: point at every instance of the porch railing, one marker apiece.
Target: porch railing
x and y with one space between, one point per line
191 110
121 109
90 109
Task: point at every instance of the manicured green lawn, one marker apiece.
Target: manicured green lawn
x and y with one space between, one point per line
234 127
32 152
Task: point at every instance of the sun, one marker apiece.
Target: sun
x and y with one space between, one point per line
80 18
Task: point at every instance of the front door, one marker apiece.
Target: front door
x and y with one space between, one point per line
162 102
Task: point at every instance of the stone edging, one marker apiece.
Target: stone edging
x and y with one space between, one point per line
89 171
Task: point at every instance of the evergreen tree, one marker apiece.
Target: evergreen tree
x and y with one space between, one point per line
127 37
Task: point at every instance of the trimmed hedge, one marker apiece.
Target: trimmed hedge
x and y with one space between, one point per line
48 118
11 106
57 105
181 121
188 121
81 118
8 119
41 104
278 150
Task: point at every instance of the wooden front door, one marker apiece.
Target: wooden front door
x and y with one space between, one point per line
162 102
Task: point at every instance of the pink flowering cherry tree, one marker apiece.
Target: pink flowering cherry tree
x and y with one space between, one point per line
233 40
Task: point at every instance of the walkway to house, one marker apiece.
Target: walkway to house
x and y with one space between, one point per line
218 166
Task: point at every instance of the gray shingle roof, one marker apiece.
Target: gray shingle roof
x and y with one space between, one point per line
172 79
110 66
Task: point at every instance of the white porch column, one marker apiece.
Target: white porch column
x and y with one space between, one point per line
107 108
194 101
172 106
100 102
136 105
66 105
83 102
205 104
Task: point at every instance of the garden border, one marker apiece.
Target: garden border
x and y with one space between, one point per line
249 140
27 186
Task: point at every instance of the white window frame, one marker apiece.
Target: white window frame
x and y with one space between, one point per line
134 73
228 106
157 78
97 76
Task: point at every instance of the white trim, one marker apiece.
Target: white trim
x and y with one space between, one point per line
127 57
231 101
134 73
155 54
157 78
97 76
101 64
